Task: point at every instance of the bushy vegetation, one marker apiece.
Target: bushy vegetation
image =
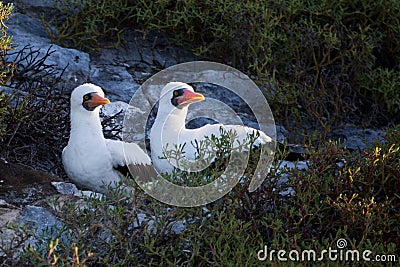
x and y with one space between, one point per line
320 63
87 24
5 69
342 194
32 126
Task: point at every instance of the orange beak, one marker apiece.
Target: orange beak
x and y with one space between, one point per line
190 97
97 100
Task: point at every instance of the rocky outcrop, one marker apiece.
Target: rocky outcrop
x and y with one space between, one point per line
357 139
29 33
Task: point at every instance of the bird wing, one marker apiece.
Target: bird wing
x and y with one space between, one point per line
124 154
242 133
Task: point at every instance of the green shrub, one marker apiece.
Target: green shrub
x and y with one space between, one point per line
381 87
88 23
5 40
33 111
3 110
5 69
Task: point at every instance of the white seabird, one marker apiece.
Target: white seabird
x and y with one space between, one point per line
169 131
90 160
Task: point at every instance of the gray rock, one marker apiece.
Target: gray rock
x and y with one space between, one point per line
125 55
29 32
141 76
288 165
356 139
302 165
281 185
89 194
281 133
178 227
116 111
163 59
71 189
341 163
36 8
146 55
65 188
8 215
39 217
157 51
287 192
20 25
76 62
285 167
180 55
116 81
146 220
41 222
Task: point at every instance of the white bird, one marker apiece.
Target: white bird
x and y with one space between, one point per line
169 132
90 160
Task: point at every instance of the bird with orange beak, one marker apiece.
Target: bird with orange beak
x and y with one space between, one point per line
169 130
90 160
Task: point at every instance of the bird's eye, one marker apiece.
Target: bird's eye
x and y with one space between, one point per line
86 97
176 93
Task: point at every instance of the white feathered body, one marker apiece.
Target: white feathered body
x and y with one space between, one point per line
89 159
169 131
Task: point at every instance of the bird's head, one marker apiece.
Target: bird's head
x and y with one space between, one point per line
87 97
178 95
